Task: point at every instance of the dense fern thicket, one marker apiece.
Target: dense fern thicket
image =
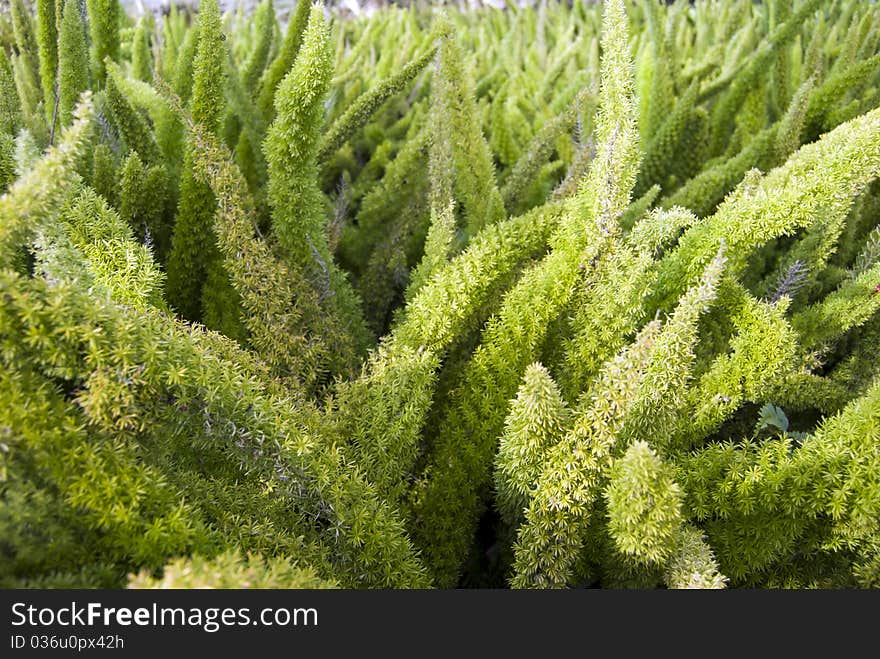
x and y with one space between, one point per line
564 296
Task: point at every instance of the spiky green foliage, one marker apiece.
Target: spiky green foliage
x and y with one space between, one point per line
459 471
644 505
193 247
536 422
561 505
131 124
47 42
383 253
143 201
73 61
439 245
83 287
30 95
284 60
666 144
846 158
29 200
782 473
103 174
166 127
541 146
141 53
298 218
24 30
25 66
619 264
474 177
264 26
124 267
467 283
692 565
10 106
608 309
7 160
104 25
291 146
751 72
363 108
183 63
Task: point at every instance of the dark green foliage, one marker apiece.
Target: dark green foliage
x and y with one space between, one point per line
193 247
7 160
103 178
10 107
